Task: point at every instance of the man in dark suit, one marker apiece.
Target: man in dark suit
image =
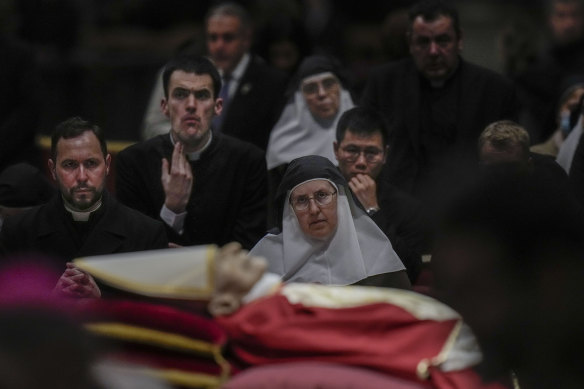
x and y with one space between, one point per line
83 219
207 187
361 150
435 102
252 92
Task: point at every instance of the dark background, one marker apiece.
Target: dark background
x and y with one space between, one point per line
98 59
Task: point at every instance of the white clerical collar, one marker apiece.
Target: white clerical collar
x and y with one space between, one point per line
195 155
81 216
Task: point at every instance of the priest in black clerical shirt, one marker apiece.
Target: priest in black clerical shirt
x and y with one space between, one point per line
82 219
435 102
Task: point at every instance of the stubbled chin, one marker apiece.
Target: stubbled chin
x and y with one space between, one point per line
191 126
191 131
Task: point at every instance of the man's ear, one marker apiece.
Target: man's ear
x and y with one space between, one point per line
51 166
108 161
385 154
336 149
164 107
218 106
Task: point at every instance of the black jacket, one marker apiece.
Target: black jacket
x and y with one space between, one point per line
256 104
228 199
395 90
47 230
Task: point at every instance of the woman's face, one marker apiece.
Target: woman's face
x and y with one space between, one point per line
322 93
319 219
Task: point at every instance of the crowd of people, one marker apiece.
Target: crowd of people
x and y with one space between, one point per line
437 158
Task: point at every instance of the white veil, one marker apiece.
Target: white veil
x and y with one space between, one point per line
358 249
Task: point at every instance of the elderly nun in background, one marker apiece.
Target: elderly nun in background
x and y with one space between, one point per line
317 96
324 236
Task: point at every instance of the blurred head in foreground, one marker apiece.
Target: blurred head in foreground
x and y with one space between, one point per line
508 257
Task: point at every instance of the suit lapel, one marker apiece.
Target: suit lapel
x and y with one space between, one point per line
246 82
238 101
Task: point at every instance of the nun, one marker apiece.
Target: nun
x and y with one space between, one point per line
323 236
317 96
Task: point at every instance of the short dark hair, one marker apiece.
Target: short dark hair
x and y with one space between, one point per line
190 63
362 121
231 9
431 10
72 128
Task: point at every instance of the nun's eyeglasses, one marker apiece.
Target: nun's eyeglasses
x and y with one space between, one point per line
321 198
312 88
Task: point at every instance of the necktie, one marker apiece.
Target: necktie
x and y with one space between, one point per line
223 94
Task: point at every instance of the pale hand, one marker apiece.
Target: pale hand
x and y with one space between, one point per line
177 180
365 189
76 283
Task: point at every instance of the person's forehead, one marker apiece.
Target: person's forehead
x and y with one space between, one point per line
85 145
312 186
182 79
373 139
490 153
317 77
442 24
223 24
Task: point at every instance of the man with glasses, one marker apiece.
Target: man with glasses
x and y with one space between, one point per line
435 102
361 150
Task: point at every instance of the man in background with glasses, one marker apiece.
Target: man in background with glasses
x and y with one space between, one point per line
361 150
